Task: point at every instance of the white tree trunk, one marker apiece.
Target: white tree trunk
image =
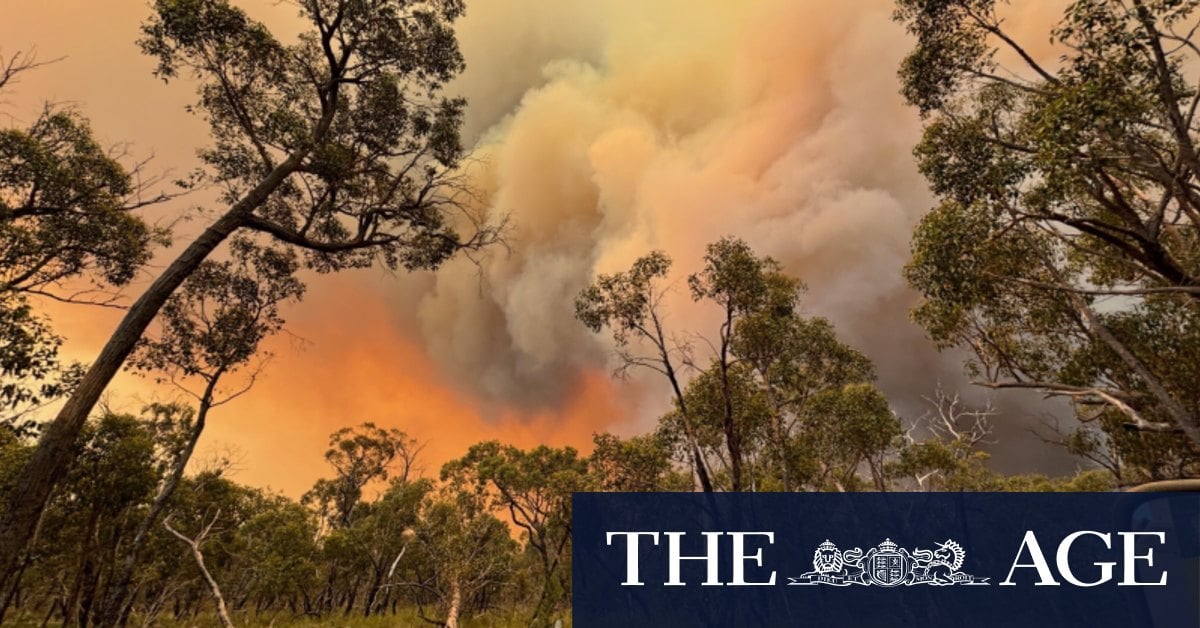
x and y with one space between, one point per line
455 604
213 588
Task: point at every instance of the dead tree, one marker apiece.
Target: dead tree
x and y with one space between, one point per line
194 544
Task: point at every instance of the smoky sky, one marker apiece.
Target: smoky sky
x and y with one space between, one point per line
606 130
602 130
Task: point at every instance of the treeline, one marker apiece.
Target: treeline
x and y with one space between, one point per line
416 547
489 536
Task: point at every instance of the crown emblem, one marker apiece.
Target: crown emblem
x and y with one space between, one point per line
888 565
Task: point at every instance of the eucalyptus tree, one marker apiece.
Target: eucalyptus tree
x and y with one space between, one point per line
69 231
1064 250
743 416
465 549
67 210
207 518
339 144
383 536
774 366
31 373
359 456
281 555
534 488
793 358
630 305
209 329
91 518
634 465
195 545
737 281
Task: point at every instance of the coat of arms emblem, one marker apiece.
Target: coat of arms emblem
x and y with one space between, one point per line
888 565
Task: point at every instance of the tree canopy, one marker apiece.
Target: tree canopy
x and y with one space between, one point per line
775 401
1063 250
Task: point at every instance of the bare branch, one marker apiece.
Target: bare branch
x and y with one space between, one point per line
20 62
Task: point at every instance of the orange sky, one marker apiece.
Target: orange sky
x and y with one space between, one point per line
605 128
323 375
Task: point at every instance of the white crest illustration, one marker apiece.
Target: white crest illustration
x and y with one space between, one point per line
888 565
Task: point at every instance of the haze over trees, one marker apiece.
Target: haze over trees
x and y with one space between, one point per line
776 401
129 536
1063 254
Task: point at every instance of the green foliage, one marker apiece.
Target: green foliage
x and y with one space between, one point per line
943 465
952 45
487 545
1094 480
65 208
733 277
1064 250
624 301
359 456
706 395
781 403
66 217
215 322
629 304
841 430
534 488
14 452
635 465
280 541
351 113
30 371
468 552
89 519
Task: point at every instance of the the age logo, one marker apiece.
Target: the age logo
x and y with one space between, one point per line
888 565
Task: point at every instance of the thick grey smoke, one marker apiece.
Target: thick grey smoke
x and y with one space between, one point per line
609 129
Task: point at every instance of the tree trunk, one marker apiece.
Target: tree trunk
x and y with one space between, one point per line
54 453
455 604
669 367
325 601
781 454
86 552
373 592
56 448
1182 418
110 611
13 590
697 457
213 588
351 597
732 438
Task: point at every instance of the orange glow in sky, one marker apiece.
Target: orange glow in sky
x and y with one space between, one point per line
604 129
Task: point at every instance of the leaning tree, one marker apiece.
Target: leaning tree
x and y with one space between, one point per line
339 143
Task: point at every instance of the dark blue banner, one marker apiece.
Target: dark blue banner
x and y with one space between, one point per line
887 559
